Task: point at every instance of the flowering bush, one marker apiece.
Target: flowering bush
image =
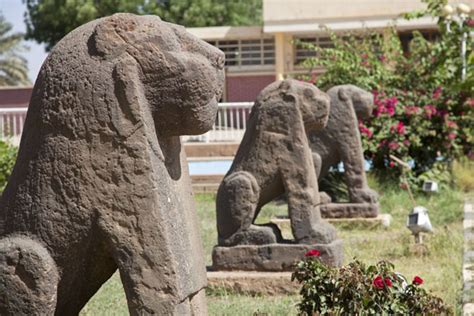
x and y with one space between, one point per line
423 111
361 289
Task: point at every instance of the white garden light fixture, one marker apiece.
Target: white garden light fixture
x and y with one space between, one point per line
418 220
458 14
430 186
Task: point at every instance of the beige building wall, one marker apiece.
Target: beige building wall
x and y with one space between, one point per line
277 11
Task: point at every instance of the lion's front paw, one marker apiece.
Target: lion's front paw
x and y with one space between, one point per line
364 196
321 233
324 198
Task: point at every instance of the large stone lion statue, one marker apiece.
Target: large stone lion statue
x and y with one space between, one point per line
275 158
101 181
340 141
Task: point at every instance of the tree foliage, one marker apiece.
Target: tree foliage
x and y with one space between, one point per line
423 110
13 67
49 20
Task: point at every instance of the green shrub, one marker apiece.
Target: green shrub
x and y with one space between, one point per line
423 110
7 161
362 290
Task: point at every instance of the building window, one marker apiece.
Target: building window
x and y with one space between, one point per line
250 52
302 52
407 37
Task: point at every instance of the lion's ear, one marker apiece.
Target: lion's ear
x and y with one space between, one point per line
111 34
343 95
130 96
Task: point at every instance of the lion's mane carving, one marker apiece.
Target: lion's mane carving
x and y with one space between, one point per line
273 158
101 181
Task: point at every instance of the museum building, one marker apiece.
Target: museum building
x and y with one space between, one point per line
258 55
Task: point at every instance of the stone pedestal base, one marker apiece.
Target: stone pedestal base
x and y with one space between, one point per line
381 221
253 282
349 210
272 257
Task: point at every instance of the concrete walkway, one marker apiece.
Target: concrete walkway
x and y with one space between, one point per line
468 261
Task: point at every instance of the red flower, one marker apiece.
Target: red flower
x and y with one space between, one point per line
470 22
452 124
417 280
393 145
391 164
364 130
378 282
430 110
388 282
437 93
399 128
313 253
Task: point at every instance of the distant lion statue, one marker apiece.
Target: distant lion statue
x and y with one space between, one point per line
340 142
274 158
101 180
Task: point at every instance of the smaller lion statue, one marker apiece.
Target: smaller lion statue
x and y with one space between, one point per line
340 141
275 158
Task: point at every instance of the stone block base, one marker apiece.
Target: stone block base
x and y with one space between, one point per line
349 210
382 220
272 257
253 283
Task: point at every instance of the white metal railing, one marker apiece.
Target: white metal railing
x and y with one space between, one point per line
11 124
230 124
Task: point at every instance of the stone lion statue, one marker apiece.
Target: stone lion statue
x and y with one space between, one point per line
273 158
101 181
340 140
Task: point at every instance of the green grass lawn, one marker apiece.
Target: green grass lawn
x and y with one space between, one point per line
439 265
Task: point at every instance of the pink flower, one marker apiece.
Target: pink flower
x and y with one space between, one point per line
393 145
452 124
390 104
391 164
430 110
364 130
470 22
437 92
382 58
399 128
470 102
312 253
452 136
411 110
406 142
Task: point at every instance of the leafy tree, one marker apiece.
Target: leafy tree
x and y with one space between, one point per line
423 110
49 20
13 67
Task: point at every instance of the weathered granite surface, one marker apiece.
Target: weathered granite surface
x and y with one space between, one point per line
101 180
340 141
274 158
272 257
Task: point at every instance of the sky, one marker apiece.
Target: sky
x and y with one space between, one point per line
13 11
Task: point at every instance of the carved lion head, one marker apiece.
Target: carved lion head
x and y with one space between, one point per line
181 76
